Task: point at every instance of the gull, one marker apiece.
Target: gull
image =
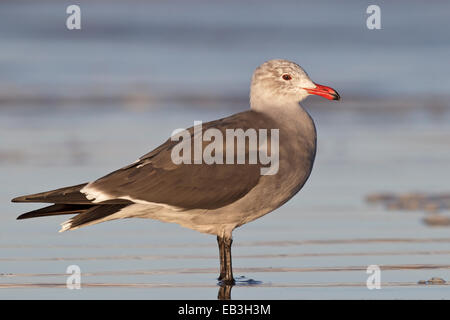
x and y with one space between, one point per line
210 198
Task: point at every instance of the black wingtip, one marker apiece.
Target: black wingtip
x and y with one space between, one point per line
19 199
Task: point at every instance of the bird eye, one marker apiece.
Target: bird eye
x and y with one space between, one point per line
286 77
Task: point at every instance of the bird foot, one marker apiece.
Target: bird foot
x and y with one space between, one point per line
226 282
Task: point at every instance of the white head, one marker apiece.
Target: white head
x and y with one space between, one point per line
282 82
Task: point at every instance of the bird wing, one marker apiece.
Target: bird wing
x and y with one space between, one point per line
67 195
155 178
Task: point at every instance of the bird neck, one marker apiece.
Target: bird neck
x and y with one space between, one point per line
284 111
292 117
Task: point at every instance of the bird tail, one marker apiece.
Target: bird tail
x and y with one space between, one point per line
85 214
70 200
93 215
55 210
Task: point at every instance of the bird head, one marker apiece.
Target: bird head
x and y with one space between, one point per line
284 82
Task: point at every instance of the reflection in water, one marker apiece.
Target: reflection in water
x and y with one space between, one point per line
224 292
225 288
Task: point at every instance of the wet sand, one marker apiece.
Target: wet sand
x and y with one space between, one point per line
316 246
83 104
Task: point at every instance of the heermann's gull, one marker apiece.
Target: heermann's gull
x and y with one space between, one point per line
211 198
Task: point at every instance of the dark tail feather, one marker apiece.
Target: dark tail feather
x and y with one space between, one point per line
94 214
54 210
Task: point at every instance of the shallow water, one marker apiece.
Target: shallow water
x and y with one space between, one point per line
83 104
316 246
155 47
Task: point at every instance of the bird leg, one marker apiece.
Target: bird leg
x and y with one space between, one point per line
221 244
226 269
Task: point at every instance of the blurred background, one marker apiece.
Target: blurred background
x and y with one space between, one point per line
76 104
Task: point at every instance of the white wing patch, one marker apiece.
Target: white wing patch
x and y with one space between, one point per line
97 196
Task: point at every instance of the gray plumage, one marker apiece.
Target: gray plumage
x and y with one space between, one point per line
210 198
